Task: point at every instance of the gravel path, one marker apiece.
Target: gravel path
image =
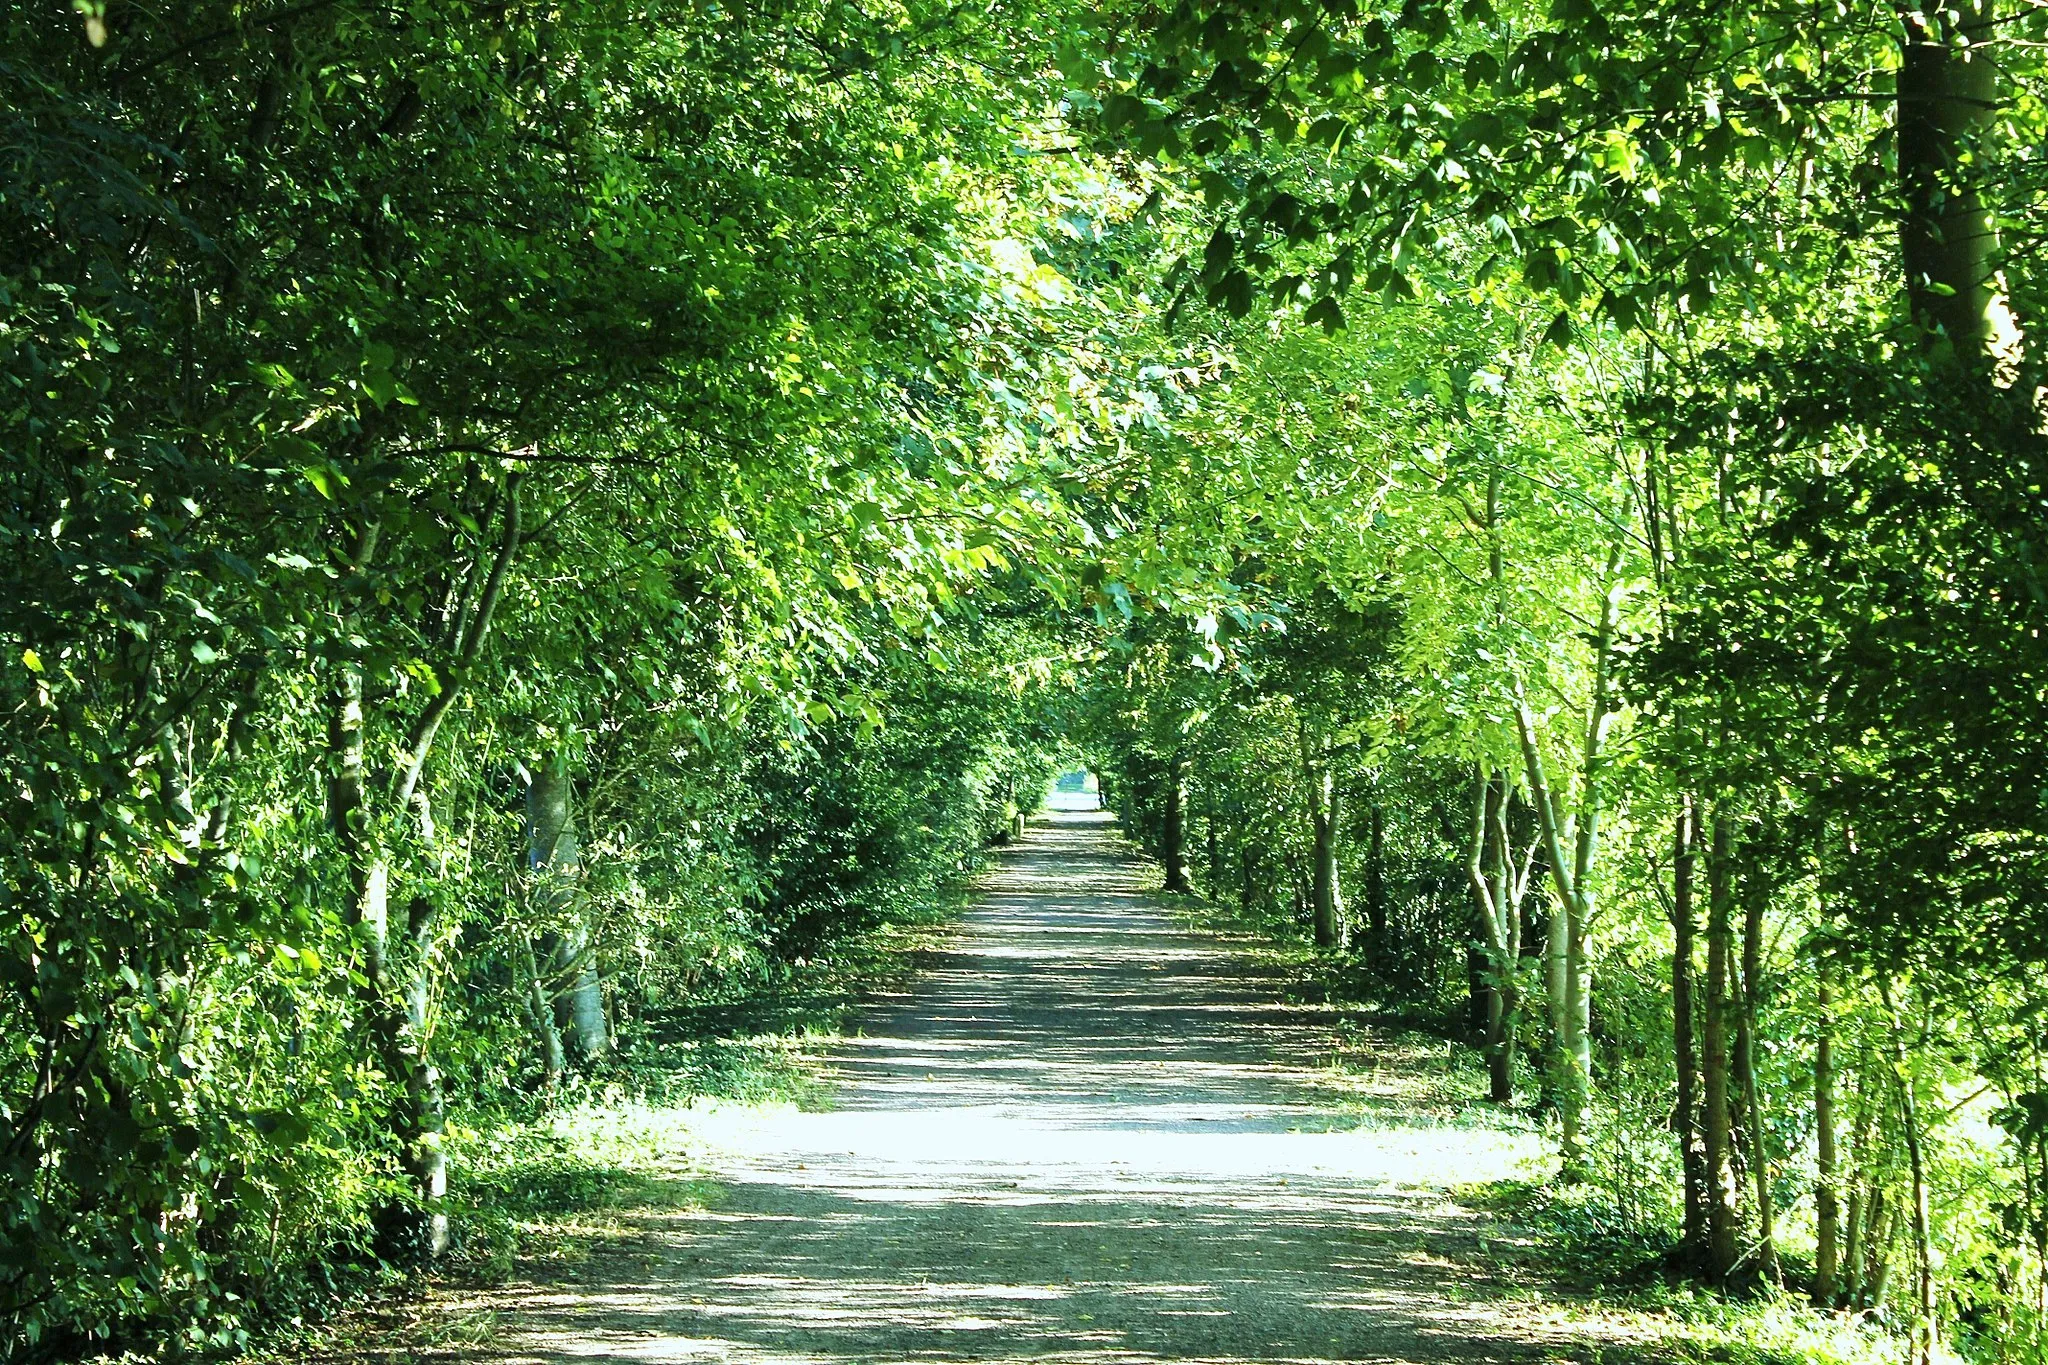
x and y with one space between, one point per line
1085 1134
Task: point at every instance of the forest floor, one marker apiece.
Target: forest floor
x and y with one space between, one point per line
1083 1133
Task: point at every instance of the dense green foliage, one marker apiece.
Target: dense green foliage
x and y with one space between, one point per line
519 521
1690 433
484 494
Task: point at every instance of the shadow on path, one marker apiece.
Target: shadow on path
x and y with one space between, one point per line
1084 1134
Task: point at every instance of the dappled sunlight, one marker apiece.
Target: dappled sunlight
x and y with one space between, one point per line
1083 1135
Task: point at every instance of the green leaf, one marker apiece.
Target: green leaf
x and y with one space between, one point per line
379 387
1217 255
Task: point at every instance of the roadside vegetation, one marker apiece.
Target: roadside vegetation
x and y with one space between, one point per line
545 1183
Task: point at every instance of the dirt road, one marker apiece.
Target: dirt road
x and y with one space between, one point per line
1086 1134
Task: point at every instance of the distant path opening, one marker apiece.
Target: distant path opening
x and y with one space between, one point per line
1077 790
1085 1134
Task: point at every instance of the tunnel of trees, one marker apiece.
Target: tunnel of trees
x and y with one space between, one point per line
517 518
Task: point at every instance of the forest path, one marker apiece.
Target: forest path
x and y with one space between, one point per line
1084 1134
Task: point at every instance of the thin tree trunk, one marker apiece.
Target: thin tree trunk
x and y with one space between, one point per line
1173 837
1568 978
1686 1118
1491 875
425 1119
1881 1243
1926 1333
1851 1290
1213 846
1745 1058
1861 1194
1556 964
397 973
1578 982
348 799
1826 1199
1329 881
1923 1234
1722 1229
368 872
540 1009
555 857
1322 816
1376 876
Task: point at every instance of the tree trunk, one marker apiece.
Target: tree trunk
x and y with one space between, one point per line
1826 1200
1173 835
1851 1291
1376 876
1498 893
1930 1327
1717 1138
555 858
1340 915
1861 1195
1754 900
1881 1271
383 993
1556 963
1325 906
1926 1332
347 804
1328 894
1947 99
541 1011
396 971
1213 847
1686 1117
425 1119
1578 1038
1568 978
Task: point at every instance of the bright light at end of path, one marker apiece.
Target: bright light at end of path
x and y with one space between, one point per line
1075 790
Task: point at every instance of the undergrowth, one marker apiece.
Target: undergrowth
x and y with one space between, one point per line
618 1138
1613 1258
541 1180
1608 1242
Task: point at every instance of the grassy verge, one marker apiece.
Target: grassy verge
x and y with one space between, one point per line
1393 1063
1579 1241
